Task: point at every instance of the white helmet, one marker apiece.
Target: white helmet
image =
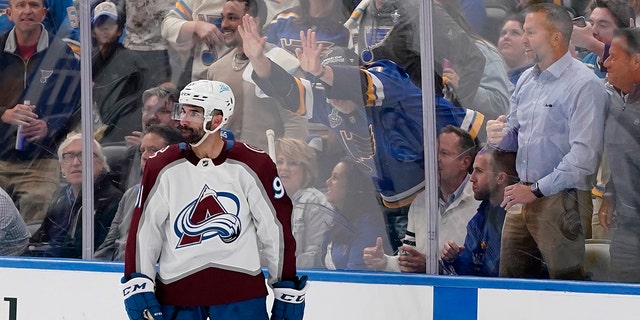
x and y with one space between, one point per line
210 95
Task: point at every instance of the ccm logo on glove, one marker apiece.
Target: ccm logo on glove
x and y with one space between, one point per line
137 285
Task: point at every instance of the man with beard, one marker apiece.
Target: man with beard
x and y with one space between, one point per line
255 112
493 170
556 124
157 109
209 212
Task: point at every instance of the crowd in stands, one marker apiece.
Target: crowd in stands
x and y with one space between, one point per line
536 117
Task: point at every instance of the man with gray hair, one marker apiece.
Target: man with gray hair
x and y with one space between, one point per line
621 141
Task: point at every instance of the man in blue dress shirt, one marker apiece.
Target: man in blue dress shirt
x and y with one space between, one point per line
556 124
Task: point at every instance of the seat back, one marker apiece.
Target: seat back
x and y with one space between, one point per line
596 259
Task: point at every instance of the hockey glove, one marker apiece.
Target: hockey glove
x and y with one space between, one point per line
289 299
140 298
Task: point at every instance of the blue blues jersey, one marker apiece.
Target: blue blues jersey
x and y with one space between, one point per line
385 136
481 256
284 30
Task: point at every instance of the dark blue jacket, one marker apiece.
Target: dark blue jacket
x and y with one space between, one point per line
481 256
62 226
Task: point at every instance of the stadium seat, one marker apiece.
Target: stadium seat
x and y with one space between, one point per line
497 11
33 226
596 259
116 155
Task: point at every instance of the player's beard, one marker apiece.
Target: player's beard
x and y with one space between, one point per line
194 136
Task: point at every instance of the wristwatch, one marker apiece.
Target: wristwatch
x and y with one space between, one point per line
536 191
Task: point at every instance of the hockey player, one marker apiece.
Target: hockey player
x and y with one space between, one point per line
208 211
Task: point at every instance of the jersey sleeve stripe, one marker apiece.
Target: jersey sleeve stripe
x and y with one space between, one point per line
302 107
472 122
183 11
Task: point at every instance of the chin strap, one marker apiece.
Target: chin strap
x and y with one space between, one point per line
207 133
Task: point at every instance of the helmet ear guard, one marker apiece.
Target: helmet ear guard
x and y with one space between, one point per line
209 95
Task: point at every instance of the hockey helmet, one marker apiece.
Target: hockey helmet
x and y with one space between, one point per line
210 95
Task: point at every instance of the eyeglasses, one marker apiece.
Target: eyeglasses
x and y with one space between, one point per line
68 157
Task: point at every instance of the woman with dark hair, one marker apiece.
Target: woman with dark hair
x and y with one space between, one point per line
358 218
511 48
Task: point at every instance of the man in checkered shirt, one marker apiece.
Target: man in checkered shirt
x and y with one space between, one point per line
14 236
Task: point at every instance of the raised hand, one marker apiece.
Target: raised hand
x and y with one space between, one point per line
495 131
252 42
309 54
374 257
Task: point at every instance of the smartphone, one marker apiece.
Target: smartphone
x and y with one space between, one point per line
579 22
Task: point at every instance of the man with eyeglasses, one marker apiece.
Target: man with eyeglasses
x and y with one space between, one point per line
60 234
157 109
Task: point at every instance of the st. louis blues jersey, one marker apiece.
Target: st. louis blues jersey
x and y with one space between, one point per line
284 30
207 222
385 136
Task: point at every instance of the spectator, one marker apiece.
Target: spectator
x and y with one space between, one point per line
358 219
324 16
14 236
390 30
155 138
312 214
596 35
276 6
389 122
208 212
476 14
157 108
621 133
456 150
387 29
511 47
61 21
493 170
42 103
556 125
192 27
60 234
492 95
117 76
142 34
255 112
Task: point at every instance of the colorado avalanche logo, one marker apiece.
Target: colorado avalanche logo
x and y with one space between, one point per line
208 217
